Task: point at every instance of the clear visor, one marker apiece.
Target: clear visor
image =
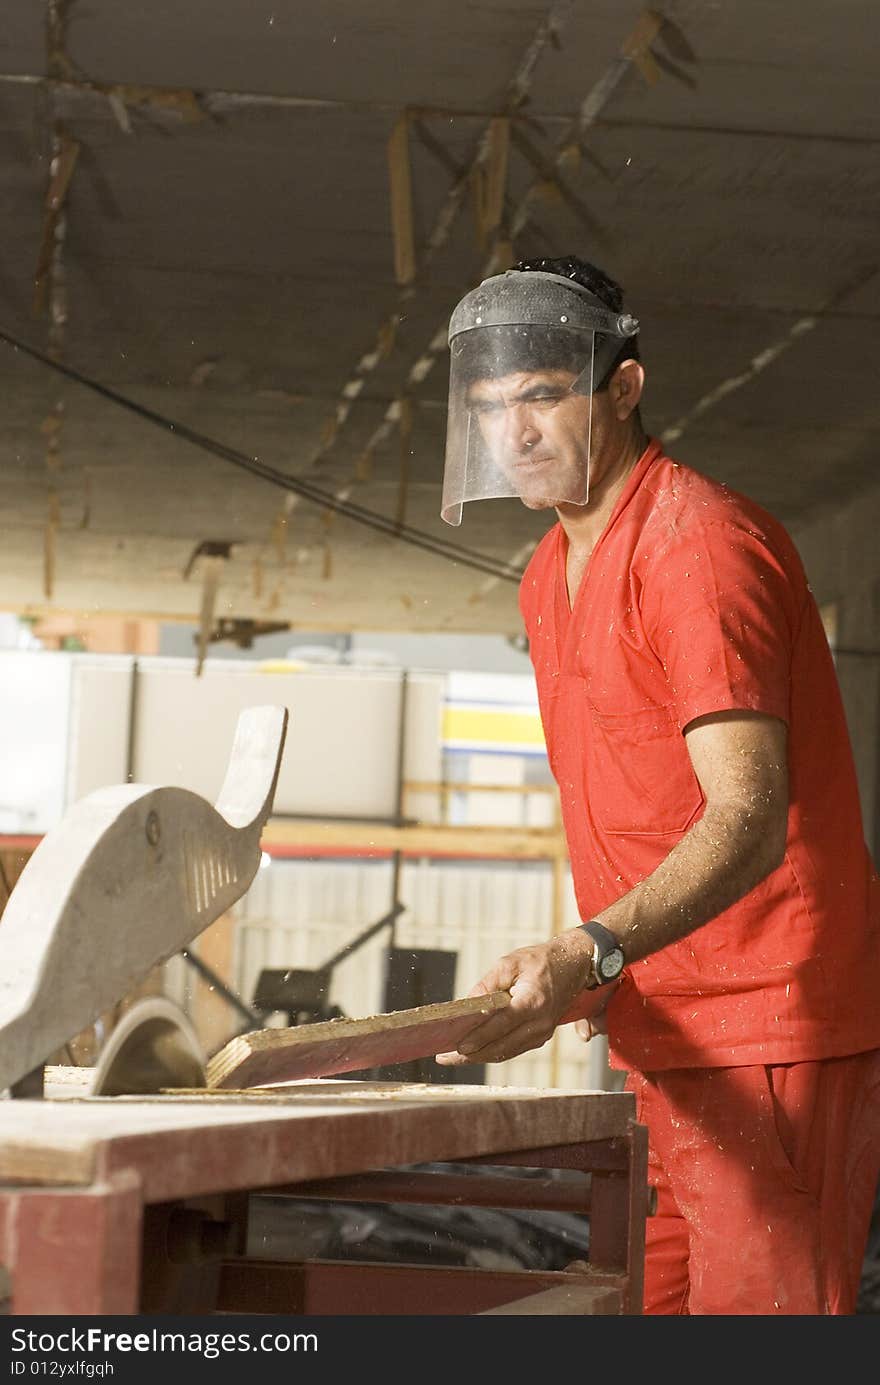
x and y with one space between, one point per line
520 413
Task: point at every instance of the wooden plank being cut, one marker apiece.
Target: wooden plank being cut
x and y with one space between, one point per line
344 1045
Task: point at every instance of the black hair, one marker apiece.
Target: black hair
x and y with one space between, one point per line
606 289
504 350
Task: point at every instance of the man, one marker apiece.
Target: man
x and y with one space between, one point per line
731 936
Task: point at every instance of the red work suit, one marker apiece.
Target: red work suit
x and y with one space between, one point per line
695 601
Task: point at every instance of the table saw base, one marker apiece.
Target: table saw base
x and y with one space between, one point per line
125 1206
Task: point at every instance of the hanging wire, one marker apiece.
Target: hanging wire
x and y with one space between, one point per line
418 538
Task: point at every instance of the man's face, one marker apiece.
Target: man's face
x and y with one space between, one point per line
537 432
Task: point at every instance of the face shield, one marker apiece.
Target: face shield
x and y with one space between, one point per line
527 350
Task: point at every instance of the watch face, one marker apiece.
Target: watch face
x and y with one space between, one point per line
611 964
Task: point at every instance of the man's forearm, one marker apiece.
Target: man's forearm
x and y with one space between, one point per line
721 858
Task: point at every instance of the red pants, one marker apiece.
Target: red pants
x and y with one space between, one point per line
766 1179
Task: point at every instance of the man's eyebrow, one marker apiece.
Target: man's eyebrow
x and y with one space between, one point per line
537 390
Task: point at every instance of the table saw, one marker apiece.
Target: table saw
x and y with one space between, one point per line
126 1188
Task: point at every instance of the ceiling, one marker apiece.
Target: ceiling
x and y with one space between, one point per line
229 250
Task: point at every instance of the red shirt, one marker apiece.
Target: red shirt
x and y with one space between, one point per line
695 601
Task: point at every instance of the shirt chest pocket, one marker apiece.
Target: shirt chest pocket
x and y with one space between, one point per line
639 774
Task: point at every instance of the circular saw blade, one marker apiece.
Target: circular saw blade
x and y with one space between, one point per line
153 1046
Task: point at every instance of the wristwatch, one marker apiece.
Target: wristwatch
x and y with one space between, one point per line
608 960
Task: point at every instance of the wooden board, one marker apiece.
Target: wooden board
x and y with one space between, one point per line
568 1300
345 1045
206 1142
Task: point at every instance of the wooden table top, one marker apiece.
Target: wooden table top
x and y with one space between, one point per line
186 1144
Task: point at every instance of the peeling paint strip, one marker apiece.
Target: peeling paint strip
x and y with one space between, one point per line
181 101
770 353
64 156
210 585
86 517
206 102
551 183
53 518
547 33
279 531
400 182
363 467
491 181
49 278
637 46
729 386
406 425
120 110
58 64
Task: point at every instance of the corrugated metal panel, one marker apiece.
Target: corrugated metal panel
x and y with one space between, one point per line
299 913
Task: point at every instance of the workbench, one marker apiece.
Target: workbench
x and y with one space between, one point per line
134 1205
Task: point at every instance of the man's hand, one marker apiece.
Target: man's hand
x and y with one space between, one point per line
588 1011
543 981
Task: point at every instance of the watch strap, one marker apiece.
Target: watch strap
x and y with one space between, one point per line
604 941
600 934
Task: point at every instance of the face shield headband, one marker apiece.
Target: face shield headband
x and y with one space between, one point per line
527 350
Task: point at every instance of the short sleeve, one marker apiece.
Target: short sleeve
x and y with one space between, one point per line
721 609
